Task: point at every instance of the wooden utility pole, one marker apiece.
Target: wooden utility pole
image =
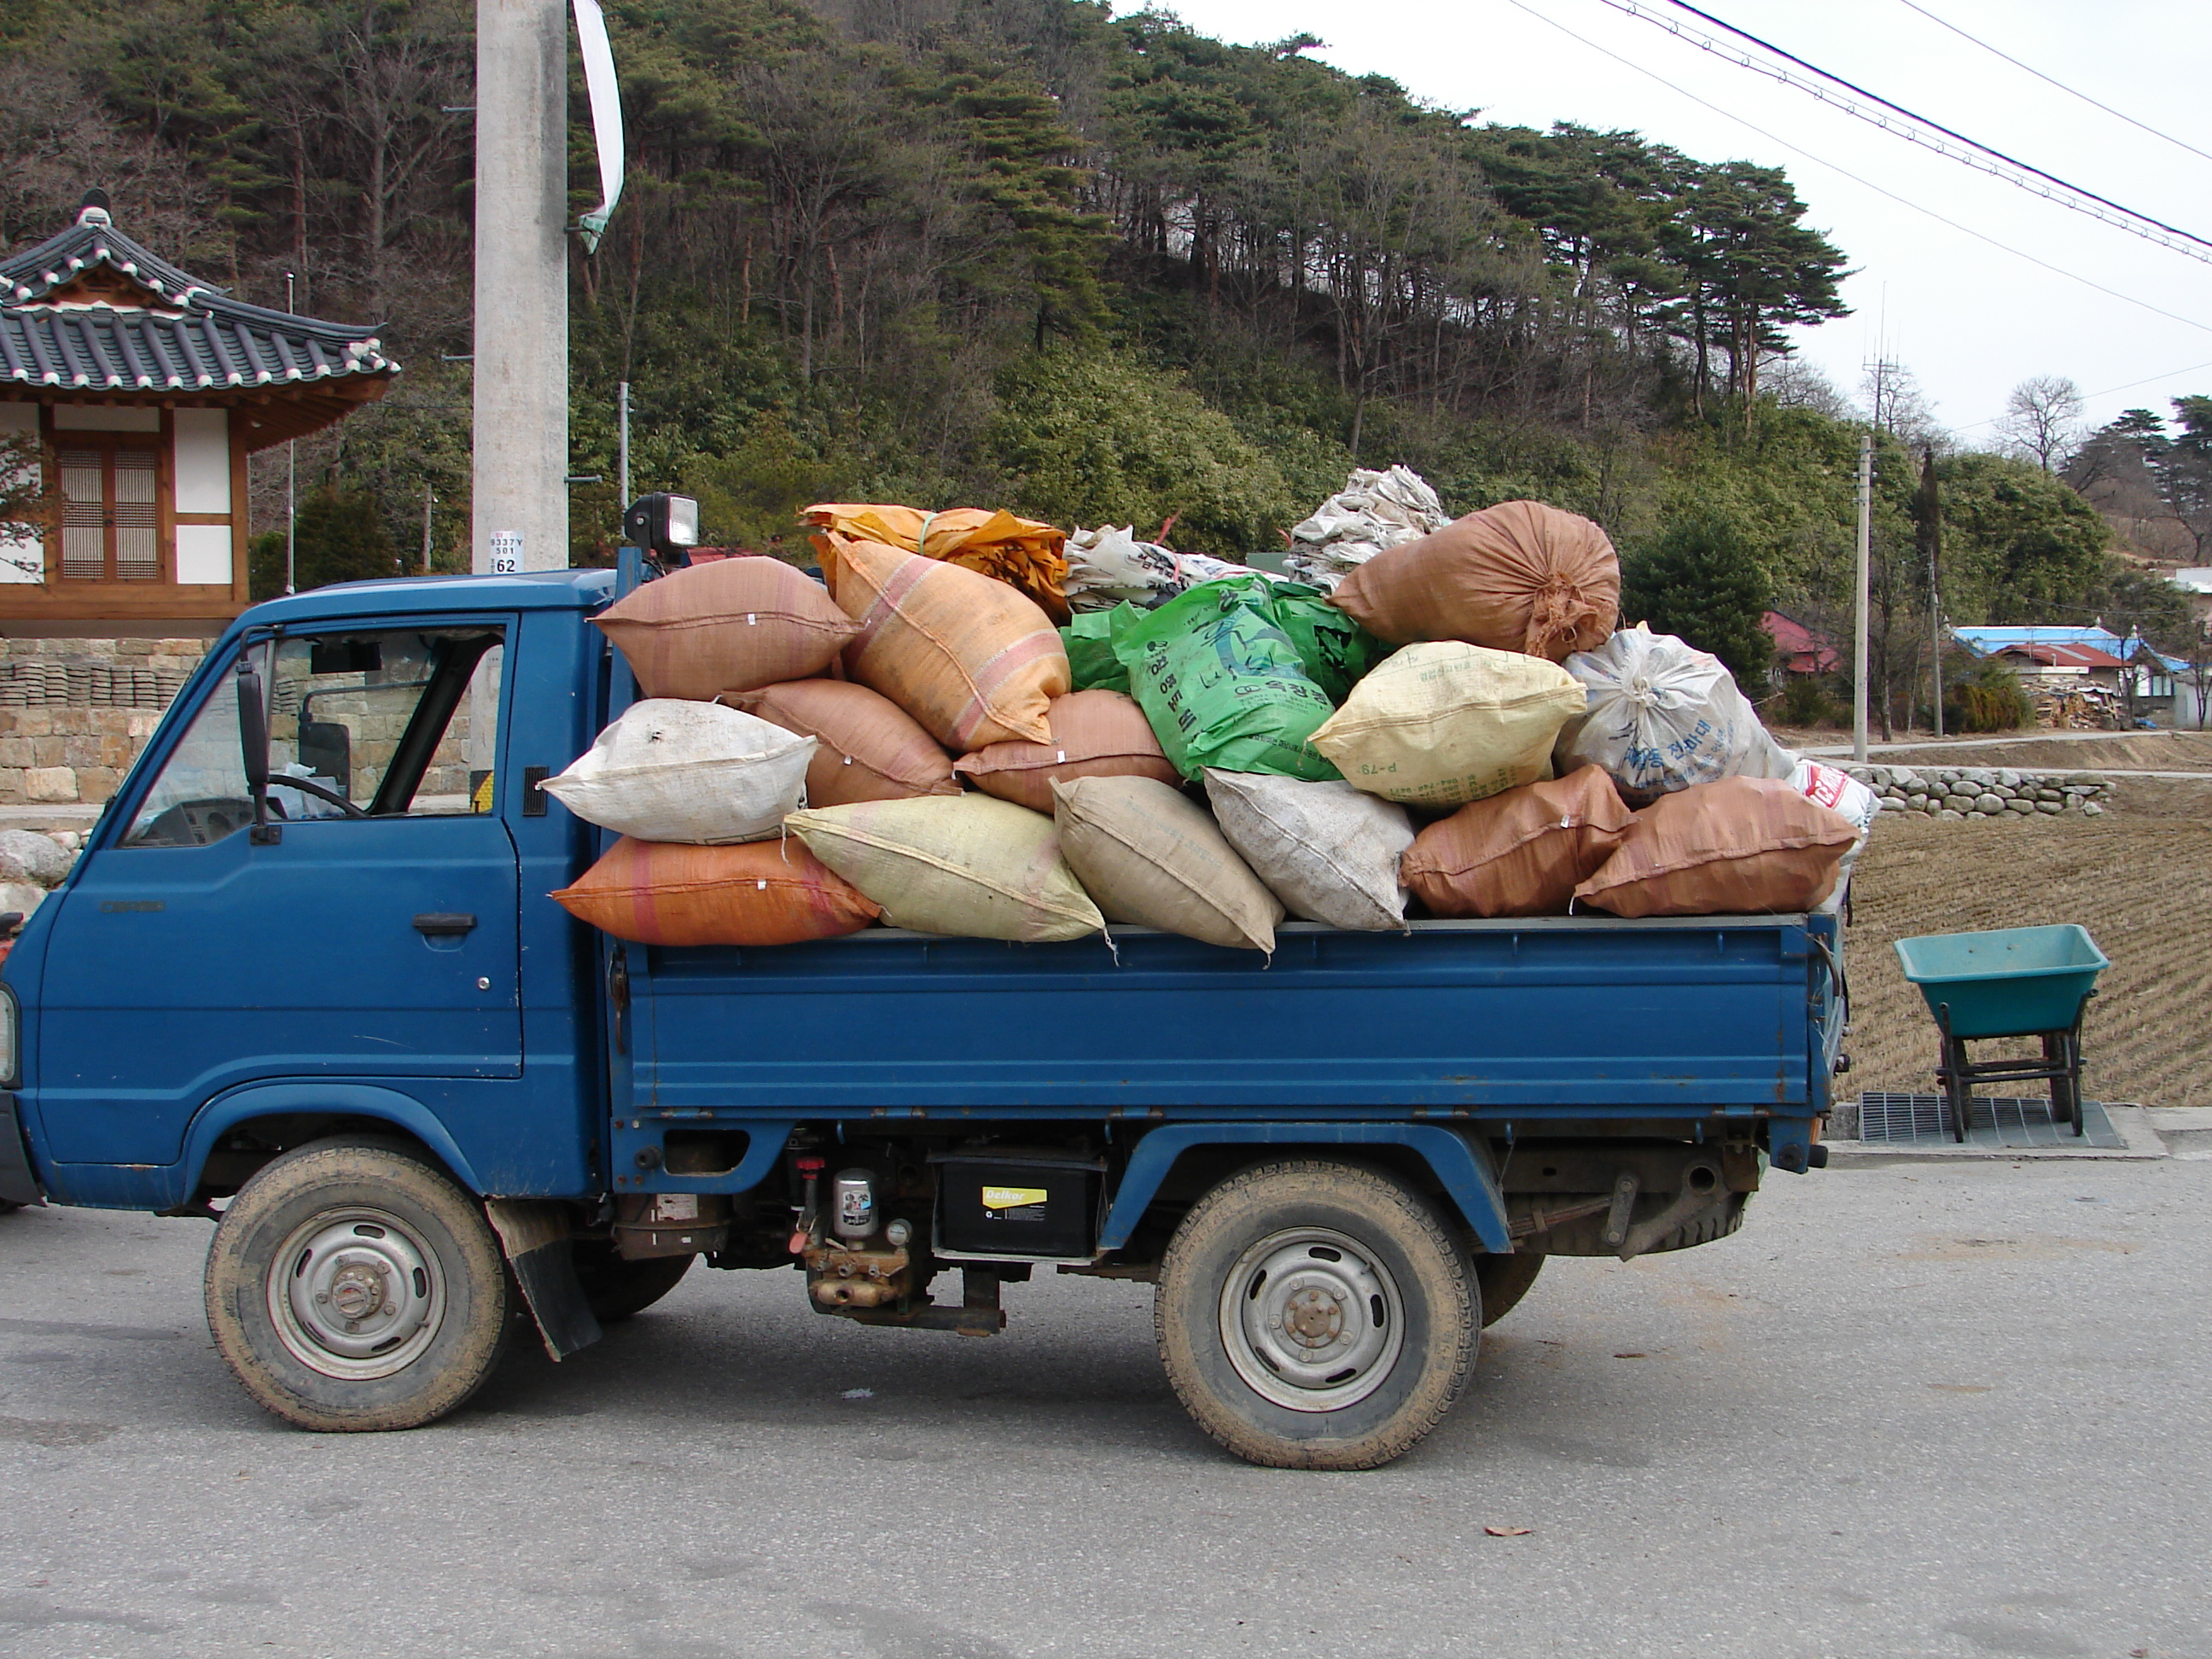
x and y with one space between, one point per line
1859 600
520 511
1932 538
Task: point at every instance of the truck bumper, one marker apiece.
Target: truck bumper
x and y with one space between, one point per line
17 1184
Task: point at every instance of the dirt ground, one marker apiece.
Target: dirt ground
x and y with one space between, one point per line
2139 751
2139 879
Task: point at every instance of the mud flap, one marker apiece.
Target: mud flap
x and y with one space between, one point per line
534 1233
17 1184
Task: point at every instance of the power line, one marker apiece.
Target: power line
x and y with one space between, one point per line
1798 149
2072 92
2107 392
1900 122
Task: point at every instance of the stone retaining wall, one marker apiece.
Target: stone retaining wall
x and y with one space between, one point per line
74 713
1983 791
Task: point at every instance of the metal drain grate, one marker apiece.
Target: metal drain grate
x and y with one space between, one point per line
2002 1122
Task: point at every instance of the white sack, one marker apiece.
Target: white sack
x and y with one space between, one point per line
1329 851
1662 715
1840 792
1108 565
675 770
1373 511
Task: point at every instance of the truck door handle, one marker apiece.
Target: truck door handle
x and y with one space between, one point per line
444 924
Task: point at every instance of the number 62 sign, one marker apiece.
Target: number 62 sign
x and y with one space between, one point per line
506 552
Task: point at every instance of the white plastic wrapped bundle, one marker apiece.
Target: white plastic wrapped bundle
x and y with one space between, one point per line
678 771
1373 511
1107 565
1662 715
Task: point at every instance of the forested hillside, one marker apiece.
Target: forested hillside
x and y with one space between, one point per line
1029 253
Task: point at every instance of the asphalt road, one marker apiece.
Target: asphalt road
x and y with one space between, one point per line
1925 1411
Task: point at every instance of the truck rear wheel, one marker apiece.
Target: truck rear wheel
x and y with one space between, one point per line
1315 1315
614 1288
1505 1279
350 1285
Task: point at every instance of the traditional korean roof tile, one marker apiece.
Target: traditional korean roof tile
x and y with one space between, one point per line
68 324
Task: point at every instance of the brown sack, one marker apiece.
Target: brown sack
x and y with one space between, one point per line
969 657
728 626
761 893
1094 734
1022 553
1520 576
1738 846
866 747
1521 853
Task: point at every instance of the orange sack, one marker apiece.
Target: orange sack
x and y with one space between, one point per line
1520 576
764 892
1028 556
865 746
969 657
1519 854
1094 734
728 626
1737 847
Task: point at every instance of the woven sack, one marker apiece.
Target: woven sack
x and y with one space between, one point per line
672 770
1025 555
868 747
1094 734
1152 858
766 893
1520 576
962 864
1662 715
1443 724
728 626
1329 851
1739 846
968 656
1521 853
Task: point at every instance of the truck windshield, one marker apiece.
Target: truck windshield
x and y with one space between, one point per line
396 722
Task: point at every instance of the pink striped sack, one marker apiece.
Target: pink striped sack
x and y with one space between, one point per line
974 661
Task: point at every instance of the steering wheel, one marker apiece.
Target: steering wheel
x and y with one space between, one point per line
306 787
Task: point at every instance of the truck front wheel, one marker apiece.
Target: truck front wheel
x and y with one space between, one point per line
351 1285
1315 1315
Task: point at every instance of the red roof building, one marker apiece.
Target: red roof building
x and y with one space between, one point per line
1797 649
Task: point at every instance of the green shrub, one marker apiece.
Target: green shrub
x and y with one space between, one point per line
1805 701
1989 699
1700 579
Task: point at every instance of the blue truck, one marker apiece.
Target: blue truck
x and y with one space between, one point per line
306 982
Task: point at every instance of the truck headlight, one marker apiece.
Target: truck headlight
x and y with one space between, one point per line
11 1040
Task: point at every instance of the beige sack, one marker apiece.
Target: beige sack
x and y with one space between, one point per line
1443 724
676 771
1519 576
963 865
1329 851
1094 734
869 748
728 626
1152 858
1521 853
1739 846
969 657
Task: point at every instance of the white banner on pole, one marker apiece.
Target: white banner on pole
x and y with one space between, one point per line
606 117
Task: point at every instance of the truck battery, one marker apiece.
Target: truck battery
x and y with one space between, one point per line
1005 1206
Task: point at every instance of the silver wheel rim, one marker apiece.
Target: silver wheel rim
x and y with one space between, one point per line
354 1294
1312 1319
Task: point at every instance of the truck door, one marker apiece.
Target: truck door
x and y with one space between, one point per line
370 930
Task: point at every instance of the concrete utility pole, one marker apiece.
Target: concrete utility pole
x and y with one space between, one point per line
1859 596
291 484
521 408
623 422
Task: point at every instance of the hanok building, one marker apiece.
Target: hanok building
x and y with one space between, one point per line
146 389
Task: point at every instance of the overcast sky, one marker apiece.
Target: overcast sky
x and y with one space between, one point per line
1969 319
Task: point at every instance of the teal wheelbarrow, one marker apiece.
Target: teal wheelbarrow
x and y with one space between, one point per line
2014 982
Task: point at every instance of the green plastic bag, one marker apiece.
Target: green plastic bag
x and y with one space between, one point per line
1223 684
1089 640
1336 651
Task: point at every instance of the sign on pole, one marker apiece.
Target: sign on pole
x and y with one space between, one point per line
506 552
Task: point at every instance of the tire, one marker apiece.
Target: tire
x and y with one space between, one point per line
1504 1281
326 1227
1340 1244
614 1289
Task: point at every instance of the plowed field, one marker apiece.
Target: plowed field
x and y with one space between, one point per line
2139 879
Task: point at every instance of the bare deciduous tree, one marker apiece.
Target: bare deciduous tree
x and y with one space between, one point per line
2042 422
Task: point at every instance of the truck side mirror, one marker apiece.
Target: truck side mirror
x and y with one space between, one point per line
253 751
